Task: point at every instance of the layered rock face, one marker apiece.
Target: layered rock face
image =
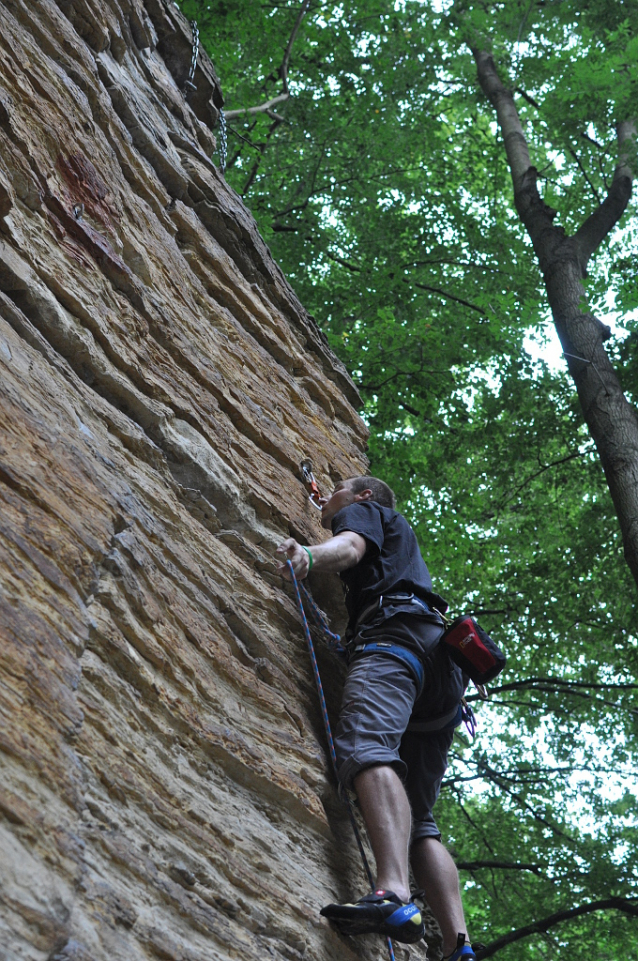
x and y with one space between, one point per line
164 788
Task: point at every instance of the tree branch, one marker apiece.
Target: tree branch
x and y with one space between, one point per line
573 692
491 611
592 186
454 263
530 100
594 230
254 146
627 905
444 293
537 106
473 824
344 263
262 149
262 108
402 373
504 865
282 73
534 213
283 70
515 685
501 780
545 467
600 146
502 100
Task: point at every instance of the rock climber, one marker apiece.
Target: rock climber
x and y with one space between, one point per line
401 703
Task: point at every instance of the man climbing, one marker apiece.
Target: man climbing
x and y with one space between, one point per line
401 703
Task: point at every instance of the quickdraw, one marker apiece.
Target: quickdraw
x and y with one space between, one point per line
310 482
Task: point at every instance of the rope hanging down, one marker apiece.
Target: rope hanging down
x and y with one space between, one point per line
334 643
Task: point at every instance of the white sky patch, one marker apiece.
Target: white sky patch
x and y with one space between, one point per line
572 789
439 6
542 343
333 84
392 197
488 375
545 346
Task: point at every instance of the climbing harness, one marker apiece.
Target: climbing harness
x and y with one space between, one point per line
311 483
399 653
335 643
195 54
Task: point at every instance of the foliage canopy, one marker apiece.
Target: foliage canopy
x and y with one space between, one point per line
382 187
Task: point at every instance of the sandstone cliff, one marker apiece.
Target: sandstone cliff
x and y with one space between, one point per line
164 787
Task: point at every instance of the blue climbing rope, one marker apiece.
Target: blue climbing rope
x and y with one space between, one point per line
334 643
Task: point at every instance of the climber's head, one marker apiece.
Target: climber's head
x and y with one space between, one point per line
353 491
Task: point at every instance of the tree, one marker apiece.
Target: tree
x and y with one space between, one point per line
563 259
382 185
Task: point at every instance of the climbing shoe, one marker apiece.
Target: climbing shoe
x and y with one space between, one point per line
380 912
462 952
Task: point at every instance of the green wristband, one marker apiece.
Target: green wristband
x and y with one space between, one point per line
309 555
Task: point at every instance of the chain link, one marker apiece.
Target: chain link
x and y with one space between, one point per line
223 136
223 141
191 73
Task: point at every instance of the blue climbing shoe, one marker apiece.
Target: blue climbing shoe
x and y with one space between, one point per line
380 912
462 952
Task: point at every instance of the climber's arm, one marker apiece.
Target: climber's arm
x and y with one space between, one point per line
343 551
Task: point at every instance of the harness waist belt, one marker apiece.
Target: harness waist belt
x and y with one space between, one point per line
384 599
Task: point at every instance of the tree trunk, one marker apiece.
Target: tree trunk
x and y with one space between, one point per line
611 419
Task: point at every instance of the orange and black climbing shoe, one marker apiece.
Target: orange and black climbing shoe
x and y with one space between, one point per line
462 952
380 912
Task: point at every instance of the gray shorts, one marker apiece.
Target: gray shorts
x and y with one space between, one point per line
379 699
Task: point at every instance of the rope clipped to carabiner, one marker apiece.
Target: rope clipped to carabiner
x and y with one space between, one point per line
335 645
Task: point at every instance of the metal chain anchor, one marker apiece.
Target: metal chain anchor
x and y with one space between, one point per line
191 73
223 136
223 141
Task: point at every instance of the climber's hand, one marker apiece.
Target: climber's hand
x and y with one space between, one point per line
291 551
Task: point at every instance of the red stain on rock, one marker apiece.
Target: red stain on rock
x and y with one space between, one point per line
86 187
90 238
85 198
